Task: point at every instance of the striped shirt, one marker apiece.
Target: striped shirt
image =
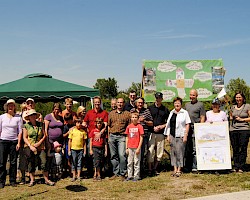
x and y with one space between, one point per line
118 121
146 114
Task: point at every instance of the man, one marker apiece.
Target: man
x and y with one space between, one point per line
89 122
68 109
117 122
197 114
146 120
131 104
96 112
113 103
160 115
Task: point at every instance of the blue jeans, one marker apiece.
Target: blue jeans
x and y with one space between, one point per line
77 156
8 147
117 146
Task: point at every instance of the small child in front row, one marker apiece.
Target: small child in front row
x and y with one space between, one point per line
134 140
56 170
98 148
76 148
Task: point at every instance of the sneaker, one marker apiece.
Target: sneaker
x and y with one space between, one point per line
73 179
98 178
129 179
194 171
79 178
135 179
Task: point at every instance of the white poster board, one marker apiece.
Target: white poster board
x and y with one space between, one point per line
212 146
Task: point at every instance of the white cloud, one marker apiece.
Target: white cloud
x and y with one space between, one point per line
168 34
218 45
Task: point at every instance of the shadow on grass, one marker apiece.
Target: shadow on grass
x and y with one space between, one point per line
76 188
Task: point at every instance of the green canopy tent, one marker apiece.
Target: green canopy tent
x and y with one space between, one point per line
44 88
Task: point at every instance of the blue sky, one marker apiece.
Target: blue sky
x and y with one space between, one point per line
82 40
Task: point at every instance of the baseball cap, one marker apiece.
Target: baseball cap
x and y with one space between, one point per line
158 94
216 101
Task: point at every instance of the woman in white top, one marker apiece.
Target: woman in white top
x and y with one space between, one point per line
216 115
177 128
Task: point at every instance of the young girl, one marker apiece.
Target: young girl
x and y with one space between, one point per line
76 148
57 161
98 148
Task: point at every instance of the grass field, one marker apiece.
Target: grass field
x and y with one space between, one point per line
162 187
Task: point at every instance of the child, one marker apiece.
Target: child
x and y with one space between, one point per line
69 123
76 148
134 140
68 109
98 148
57 161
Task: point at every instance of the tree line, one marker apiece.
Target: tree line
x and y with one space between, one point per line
109 89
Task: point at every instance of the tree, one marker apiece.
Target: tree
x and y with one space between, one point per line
238 84
135 87
108 87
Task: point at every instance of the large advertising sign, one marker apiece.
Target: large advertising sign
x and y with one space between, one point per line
212 146
177 78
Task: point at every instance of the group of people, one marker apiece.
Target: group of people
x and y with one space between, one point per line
131 137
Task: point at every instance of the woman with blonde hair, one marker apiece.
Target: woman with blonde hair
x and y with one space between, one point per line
81 112
10 137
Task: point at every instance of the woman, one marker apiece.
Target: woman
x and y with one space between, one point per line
54 125
239 130
34 138
54 131
177 128
10 140
81 112
216 115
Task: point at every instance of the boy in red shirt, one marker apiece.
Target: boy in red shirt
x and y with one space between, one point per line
134 140
98 148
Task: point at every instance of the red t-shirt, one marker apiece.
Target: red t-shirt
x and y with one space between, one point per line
134 132
102 139
92 115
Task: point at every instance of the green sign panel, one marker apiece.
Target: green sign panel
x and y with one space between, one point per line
177 77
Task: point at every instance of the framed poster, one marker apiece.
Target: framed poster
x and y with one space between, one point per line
212 146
